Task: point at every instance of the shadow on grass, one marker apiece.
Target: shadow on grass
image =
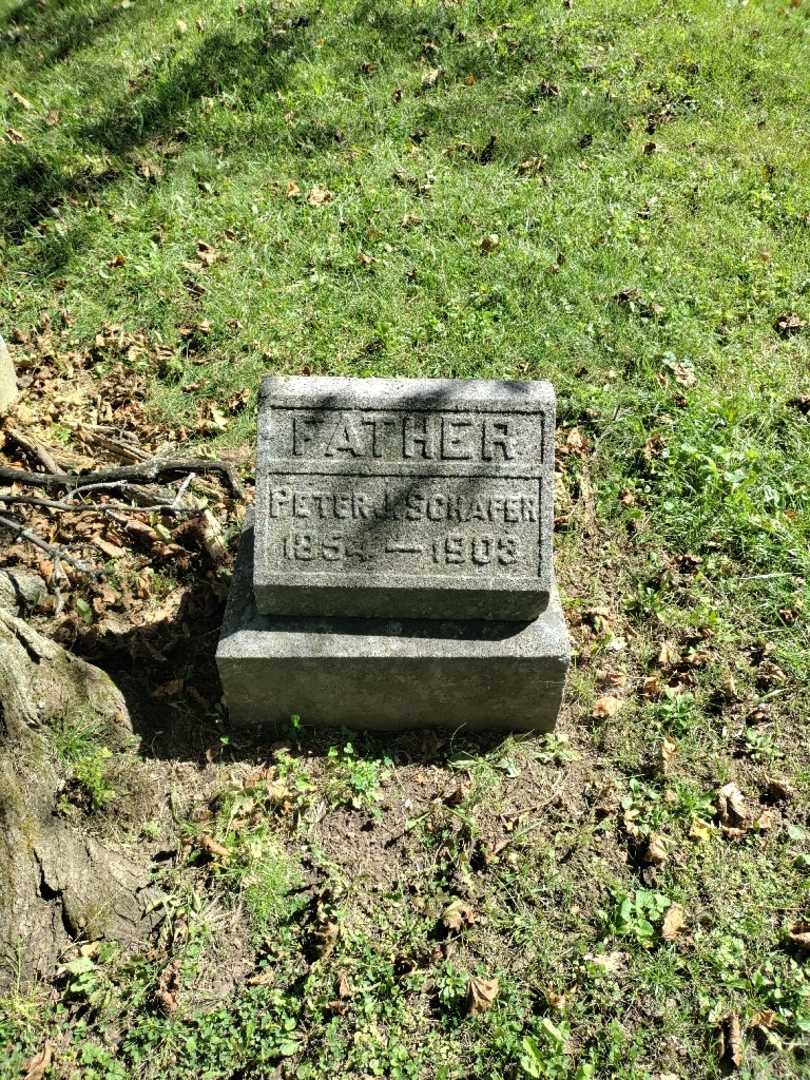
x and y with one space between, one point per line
167 674
55 31
34 186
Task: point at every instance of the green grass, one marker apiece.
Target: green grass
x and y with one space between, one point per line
645 168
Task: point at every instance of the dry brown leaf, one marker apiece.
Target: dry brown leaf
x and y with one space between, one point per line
169 689
731 1042
14 136
605 707
559 1002
113 551
732 809
765 1018
319 196
262 978
612 962
799 935
431 77
683 375
38 1065
344 987
293 190
765 820
789 324
166 993
652 688
481 994
457 915
489 242
668 655
326 938
674 922
655 852
23 101
669 748
213 847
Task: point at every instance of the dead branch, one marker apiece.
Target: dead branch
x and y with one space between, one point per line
55 552
80 507
146 471
31 446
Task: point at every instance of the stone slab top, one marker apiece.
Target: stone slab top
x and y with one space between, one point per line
404 498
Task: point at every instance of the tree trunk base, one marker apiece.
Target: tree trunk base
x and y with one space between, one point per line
57 885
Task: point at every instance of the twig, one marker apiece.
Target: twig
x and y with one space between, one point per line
147 471
75 508
53 550
35 448
181 491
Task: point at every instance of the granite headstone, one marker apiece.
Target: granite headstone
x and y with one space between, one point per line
399 572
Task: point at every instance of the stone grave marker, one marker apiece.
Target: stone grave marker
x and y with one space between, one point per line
424 498
399 571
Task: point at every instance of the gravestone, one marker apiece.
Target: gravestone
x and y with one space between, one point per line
424 498
8 379
398 572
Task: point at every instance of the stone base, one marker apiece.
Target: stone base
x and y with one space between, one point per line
385 674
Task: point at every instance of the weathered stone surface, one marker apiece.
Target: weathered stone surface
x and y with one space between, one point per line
389 674
8 379
404 498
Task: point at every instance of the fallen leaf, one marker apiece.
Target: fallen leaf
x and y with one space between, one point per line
325 938
532 166
481 994
700 830
765 820
559 1002
262 978
605 707
765 1018
14 136
674 922
166 993
212 847
778 790
23 101
206 254
113 551
799 935
319 196
344 988
431 77
732 809
576 443
730 1042
683 374
293 190
668 655
669 748
182 26
611 963
457 915
652 687
655 852
789 324
38 1065
169 689
52 118
489 242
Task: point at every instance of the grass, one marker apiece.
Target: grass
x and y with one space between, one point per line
612 196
